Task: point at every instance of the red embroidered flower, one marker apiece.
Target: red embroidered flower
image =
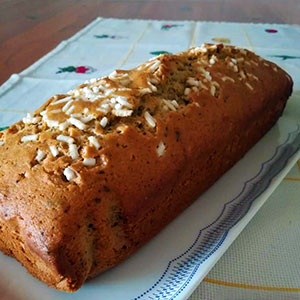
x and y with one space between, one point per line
81 69
169 26
271 30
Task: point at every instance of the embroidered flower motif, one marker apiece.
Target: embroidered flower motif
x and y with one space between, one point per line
221 40
79 69
160 52
271 30
169 26
107 36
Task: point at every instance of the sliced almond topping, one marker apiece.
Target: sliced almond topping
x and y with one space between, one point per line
28 138
103 122
155 66
66 139
89 162
55 111
61 100
169 104
212 61
67 105
187 91
53 150
224 78
122 112
87 119
30 119
77 123
192 81
40 155
242 73
144 91
249 86
175 103
202 86
70 110
152 87
73 151
254 63
150 120
69 173
213 90
94 142
161 149
63 126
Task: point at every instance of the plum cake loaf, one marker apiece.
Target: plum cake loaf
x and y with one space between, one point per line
93 174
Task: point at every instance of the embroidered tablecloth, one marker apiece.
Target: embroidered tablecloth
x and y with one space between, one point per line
264 261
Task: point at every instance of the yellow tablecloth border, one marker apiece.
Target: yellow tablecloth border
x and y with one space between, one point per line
249 286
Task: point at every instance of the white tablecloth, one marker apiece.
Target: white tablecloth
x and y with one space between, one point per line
264 261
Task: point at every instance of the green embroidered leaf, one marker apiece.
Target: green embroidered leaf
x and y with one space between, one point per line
160 52
3 128
67 69
102 36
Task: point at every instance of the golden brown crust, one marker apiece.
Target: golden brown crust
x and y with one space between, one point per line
131 151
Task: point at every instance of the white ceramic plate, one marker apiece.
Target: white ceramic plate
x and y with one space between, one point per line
174 262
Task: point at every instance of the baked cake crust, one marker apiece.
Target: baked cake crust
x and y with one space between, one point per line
92 175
